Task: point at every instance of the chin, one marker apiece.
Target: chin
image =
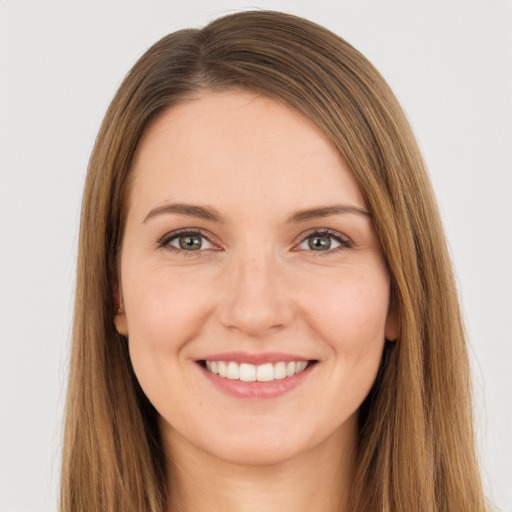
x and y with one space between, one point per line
258 454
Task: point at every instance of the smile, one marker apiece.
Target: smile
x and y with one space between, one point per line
247 372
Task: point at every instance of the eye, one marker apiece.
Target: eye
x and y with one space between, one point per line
323 241
189 241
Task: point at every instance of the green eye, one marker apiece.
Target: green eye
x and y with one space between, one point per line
324 241
319 242
189 242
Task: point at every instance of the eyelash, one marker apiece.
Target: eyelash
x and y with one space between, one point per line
164 242
344 241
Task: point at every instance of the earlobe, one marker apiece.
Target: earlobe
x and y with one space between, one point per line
392 325
120 321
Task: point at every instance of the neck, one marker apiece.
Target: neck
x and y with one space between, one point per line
318 479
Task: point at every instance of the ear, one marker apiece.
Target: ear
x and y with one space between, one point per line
120 320
392 328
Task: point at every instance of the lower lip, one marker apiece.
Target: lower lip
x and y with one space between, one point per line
271 389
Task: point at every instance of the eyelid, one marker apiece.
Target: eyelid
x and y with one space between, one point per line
164 241
344 241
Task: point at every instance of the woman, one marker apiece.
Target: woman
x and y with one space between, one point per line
266 317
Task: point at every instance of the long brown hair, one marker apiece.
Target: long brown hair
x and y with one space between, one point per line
416 443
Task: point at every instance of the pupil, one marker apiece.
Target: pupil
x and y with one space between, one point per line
321 243
190 242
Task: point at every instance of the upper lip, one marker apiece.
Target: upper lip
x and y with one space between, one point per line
255 358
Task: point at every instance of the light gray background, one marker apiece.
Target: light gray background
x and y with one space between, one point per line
450 64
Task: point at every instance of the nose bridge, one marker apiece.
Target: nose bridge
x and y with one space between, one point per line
255 298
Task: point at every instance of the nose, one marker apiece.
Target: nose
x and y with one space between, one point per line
256 300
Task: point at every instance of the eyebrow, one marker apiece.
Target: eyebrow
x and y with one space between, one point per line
201 212
209 213
326 211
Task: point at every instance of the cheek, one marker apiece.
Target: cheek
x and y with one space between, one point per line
349 315
164 314
162 307
353 306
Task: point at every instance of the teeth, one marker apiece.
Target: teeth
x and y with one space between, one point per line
265 372
301 366
280 370
233 371
249 372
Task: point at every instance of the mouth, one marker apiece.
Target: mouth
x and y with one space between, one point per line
256 375
247 372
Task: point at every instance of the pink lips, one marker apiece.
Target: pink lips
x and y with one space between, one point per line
255 390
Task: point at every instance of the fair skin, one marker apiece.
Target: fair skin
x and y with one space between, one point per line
248 244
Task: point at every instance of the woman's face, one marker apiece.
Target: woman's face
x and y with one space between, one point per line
248 255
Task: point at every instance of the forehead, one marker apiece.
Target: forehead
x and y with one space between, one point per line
239 149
